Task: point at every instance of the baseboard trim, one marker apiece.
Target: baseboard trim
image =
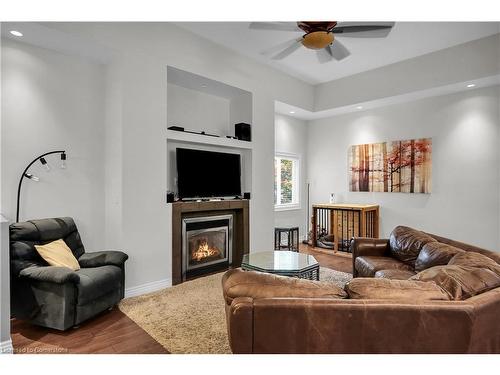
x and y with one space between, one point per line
147 288
6 347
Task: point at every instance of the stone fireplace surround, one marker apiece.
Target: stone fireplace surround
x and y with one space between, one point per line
238 208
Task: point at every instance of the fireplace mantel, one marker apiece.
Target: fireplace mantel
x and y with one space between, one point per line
239 208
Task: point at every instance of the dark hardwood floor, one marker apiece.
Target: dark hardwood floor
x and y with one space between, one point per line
111 332
338 261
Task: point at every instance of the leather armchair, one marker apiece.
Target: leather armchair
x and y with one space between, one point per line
58 297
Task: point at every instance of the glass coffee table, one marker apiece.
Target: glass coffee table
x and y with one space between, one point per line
285 263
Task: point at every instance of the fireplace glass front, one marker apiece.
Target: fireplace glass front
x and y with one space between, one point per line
206 243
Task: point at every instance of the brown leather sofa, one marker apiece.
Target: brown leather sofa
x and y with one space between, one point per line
401 256
274 314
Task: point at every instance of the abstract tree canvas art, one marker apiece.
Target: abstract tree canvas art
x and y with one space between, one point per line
397 166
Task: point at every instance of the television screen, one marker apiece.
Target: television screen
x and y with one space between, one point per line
203 174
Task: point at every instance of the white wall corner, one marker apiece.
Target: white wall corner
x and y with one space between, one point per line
148 288
5 339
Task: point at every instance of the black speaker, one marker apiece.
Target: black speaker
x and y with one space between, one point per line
243 131
246 195
170 197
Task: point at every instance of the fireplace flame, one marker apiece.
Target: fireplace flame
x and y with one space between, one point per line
204 251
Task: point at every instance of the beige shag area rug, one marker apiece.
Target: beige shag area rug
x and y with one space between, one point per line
190 317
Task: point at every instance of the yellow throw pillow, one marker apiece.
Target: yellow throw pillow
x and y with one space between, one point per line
57 253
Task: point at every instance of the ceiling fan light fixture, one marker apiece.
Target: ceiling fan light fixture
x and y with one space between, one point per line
317 39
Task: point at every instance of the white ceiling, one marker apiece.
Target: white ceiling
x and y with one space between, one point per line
303 114
406 40
51 38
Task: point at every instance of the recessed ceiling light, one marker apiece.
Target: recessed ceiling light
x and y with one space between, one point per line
359 107
292 112
204 86
16 33
471 85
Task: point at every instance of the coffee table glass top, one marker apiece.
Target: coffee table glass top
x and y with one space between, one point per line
278 261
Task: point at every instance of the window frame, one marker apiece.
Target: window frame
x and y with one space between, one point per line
296 202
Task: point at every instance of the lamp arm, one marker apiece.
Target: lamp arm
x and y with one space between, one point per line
24 173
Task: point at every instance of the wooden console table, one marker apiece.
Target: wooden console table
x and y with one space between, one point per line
344 221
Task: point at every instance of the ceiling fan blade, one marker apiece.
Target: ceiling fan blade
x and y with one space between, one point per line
338 50
324 55
363 29
289 50
278 26
278 48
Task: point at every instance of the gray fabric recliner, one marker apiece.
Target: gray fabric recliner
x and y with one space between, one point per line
58 297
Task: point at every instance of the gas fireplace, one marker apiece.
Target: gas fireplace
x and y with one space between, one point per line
206 243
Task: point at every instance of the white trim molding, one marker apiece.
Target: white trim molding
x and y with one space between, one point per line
287 207
147 288
6 347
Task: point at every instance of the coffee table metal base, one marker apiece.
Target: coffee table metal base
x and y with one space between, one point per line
310 272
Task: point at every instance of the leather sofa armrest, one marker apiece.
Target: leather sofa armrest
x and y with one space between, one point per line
51 274
363 246
102 258
239 319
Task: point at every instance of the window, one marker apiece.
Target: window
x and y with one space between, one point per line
286 182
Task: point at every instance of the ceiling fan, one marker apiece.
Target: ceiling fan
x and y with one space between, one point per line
322 36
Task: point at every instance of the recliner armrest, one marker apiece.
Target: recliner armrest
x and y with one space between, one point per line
102 258
51 274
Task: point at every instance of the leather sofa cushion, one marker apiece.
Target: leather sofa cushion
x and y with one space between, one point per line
406 243
477 260
394 274
366 266
435 254
239 283
97 282
460 282
368 288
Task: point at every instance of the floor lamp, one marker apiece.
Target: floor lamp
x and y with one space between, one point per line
32 177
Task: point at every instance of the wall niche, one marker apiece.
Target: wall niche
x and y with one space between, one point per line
197 104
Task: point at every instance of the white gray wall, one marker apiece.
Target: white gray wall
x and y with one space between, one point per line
140 119
120 112
291 138
464 203
197 111
52 101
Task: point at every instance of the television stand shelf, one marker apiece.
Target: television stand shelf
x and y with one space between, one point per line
185 137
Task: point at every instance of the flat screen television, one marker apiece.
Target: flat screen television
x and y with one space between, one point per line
207 174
